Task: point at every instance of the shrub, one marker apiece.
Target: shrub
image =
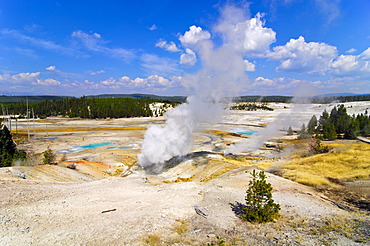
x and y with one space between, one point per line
260 207
49 157
317 148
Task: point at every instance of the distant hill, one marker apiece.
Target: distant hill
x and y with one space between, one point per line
264 99
14 99
338 95
137 96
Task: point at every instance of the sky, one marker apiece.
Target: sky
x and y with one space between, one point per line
76 48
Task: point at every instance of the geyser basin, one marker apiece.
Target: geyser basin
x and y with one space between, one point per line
76 148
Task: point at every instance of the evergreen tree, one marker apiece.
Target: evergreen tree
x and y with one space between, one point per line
303 134
328 130
290 131
312 125
260 207
8 149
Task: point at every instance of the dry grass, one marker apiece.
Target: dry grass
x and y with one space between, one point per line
79 129
344 162
222 133
180 226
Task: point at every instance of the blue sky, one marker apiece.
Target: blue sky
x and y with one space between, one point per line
93 47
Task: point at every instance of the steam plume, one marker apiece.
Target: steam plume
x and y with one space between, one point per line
222 74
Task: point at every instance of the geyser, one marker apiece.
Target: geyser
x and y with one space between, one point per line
222 75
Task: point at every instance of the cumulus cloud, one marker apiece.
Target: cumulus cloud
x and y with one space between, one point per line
51 68
152 81
194 35
188 58
249 66
261 81
299 56
247 36
28 78
167 46
346 65
94 42
46 82
21 77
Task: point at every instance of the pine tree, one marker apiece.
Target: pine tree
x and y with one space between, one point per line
312 125
290 131
8 148
260 207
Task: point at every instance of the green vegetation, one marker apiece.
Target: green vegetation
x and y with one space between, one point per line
49 157
31 99
337 125
330 99
8 148
260 207
84 107
251 107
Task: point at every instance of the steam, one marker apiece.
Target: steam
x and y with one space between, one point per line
295 116
222 75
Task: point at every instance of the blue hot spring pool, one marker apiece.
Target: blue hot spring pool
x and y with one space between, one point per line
246 132
79 148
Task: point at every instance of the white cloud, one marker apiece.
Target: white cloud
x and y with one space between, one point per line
249 66
350 65
110 81
21 77
261 81
152 81
351 51
46 82
155 79
153 27
51 68
55 72
96 72
25 79
194 35
188 58
247 36
95 43
167 46
299 56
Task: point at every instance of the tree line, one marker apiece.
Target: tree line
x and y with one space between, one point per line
83 107
337 124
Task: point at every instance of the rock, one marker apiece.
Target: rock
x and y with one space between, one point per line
27 229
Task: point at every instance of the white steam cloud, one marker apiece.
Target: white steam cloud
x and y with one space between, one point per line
222 75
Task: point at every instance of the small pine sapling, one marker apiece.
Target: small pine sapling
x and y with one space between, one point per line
260 207
49 157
